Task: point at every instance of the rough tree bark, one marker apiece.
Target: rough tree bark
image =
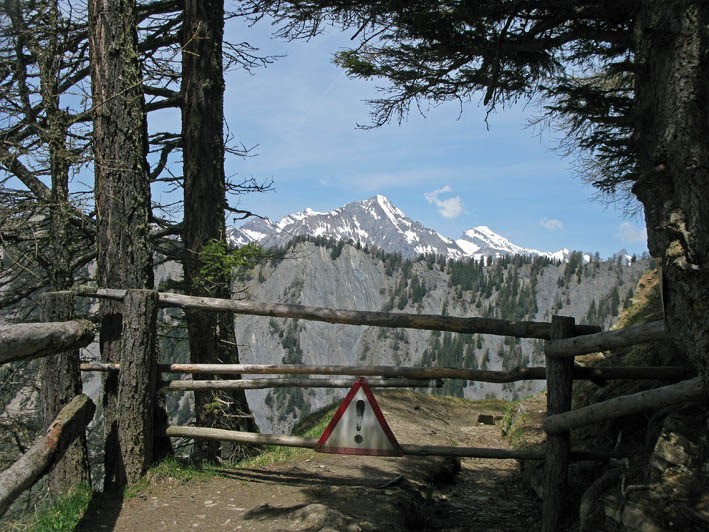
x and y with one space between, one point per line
672 142
61 382
122 188
137 384
60 375
211 335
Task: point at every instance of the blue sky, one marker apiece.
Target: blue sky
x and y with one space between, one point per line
447 170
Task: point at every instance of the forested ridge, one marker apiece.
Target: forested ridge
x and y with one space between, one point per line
324 272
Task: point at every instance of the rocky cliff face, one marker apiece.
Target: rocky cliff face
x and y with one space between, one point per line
672 491
350 277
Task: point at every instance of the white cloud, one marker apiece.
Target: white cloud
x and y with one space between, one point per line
631 234
449 207
551 224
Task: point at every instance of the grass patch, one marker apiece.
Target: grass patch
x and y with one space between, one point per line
522 421
63 514
312 426
171 470
181 471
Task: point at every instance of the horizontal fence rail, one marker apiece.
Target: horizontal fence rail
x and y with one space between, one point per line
309 443
408 449
517 329
359 371
34 340
518 374
626 405
591 343
99 366
660 373
259 384
595 373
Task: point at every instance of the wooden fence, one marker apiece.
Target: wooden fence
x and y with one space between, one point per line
28 341
564 340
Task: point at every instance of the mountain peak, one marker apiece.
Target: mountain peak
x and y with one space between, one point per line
377 222
484 229
482 241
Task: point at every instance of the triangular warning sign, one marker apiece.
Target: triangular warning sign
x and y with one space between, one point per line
359 427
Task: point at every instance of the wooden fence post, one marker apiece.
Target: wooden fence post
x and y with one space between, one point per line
60 380
558 446
137 384
110 344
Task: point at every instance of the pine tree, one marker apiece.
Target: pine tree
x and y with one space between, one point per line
633 104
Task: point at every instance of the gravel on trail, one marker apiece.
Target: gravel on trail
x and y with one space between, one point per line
325 492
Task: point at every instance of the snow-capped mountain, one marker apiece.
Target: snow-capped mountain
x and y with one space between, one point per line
376 222
481 241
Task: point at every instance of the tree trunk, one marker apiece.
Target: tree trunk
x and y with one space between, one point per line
50 62
61 382
672 141
60 375
211 335
137 385
122 188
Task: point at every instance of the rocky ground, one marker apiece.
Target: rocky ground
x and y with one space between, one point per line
324 492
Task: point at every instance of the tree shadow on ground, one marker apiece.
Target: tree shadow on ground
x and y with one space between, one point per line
408 494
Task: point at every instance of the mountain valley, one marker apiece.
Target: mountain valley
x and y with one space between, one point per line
324 273
369 256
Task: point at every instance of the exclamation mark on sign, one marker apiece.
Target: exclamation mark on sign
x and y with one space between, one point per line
359 407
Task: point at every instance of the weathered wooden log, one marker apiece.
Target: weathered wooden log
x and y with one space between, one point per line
471 452
309 443
70 423
253 438
668 373
591 343
99 366
502 454
558 446
518 329
360 371
415 450
626 405
34 340
259 384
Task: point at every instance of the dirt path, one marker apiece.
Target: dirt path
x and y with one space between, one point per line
322 492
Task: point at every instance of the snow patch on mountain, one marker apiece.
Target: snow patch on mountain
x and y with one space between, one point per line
482 241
